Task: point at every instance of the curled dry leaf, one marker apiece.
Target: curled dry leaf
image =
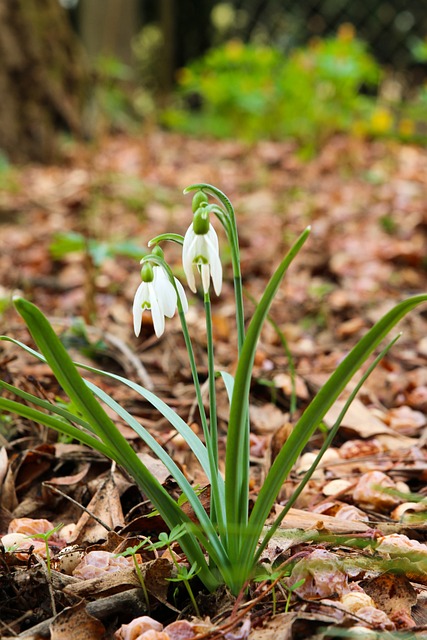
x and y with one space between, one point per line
369 491
29 526
360 448
181 630
137 627
410 511
406 420
258 445
145 628
417 398
330 457
397 544
304 464
75 623
362 632
376 618
283 381
67 531
351 513
11 540
355 600
98 563
335 487
20 543
322 575
393 594
410 555
266 418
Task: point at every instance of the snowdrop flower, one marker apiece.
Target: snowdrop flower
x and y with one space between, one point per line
157 294
200 248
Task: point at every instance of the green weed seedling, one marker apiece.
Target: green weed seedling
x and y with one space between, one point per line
133 551
185 574
46 536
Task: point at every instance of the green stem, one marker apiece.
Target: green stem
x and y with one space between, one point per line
192 598
213 461
213 423
142 581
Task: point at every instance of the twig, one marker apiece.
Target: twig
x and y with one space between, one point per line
131 603
64 495
49 582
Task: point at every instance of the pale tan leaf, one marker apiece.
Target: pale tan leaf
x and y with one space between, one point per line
75 623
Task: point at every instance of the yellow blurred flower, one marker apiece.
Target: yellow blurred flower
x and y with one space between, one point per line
381 120
406 127
346 32
234 49
184 76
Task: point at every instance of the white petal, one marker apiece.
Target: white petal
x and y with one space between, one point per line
165 291
140 297
215 264
216 273
206 275
156 312
190 241
212 236
182 295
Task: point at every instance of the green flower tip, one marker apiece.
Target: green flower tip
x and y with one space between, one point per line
147 274
200 199
158 251
201 222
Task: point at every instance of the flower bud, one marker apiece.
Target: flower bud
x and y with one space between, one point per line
147 274
200 199
201 222
158 251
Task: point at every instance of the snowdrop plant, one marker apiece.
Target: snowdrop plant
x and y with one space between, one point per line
200 248
227 540
158 294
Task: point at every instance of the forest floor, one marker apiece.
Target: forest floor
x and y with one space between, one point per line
71 237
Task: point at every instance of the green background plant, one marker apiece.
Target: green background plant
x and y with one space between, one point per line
253 92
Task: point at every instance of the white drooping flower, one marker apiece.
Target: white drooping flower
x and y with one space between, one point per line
157 294
201 249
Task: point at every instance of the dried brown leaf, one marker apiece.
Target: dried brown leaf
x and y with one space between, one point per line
75 623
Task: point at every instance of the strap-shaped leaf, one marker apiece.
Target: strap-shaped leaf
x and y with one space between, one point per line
19 409
228 383
49 406
315 412
75 387
237 475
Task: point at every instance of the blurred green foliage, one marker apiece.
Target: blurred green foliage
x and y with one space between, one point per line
252 92
66 243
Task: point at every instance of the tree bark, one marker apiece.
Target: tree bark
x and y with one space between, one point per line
108 26
43 79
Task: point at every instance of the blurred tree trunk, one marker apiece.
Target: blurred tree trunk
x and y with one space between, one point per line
43 79
108 26
167 25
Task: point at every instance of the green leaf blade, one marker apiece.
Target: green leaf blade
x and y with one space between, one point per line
315 412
